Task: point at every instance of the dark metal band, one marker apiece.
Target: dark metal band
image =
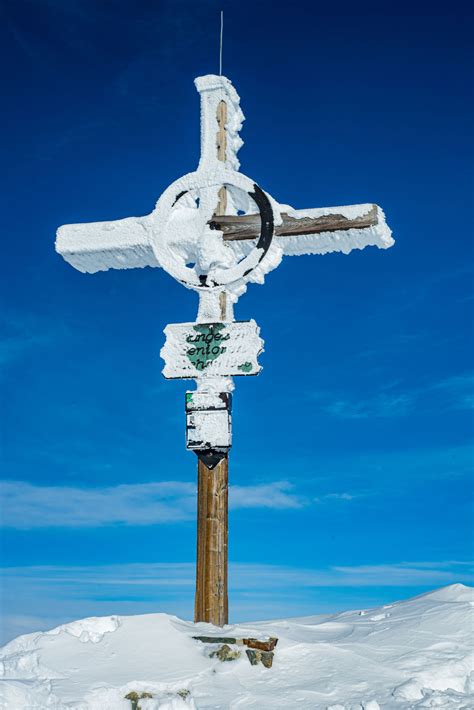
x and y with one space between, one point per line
266 228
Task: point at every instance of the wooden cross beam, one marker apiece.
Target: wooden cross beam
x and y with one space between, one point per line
127 243
242 227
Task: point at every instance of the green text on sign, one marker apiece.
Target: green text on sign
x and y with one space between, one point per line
195 350
206 344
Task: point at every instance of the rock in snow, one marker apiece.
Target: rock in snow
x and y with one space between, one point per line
411 654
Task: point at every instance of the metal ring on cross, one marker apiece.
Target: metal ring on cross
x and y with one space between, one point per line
171 241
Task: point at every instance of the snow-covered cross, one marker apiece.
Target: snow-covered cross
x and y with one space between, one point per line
215 230
213 254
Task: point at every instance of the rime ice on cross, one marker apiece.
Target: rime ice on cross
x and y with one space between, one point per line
178 236
215 230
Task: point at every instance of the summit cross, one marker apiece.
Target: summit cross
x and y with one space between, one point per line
215 230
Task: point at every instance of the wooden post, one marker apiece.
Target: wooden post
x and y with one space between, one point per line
211 603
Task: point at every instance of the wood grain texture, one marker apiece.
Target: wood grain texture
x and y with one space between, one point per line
211 602
221 141
241 227
221 138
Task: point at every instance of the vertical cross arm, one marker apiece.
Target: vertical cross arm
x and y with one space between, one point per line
213 90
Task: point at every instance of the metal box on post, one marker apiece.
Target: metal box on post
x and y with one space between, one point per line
208 421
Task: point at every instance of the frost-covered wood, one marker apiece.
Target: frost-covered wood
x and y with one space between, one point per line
176 235
127 243
211 601
236 227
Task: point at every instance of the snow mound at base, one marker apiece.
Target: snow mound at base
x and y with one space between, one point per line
410 654
92 629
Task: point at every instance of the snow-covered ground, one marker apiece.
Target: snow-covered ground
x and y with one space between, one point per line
409 654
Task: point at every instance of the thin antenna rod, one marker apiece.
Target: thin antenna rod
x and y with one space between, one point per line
221 42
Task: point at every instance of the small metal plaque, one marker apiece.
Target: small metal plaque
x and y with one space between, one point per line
208 421
194 350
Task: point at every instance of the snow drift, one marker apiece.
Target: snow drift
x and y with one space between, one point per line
410 654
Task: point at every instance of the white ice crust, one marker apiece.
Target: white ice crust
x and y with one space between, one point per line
241 345
213 89
380 235
127 243
176 236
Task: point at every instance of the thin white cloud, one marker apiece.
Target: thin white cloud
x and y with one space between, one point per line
271 495
458 388
397 472
450 564
26 506
63 593
386 575
451 393
382 405
242 576
328 497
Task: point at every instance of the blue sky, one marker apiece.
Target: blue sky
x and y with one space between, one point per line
352 456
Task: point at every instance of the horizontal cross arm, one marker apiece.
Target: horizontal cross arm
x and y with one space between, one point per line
99 246
315 231
240 227
127 243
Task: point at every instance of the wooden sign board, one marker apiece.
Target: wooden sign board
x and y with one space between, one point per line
194 350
